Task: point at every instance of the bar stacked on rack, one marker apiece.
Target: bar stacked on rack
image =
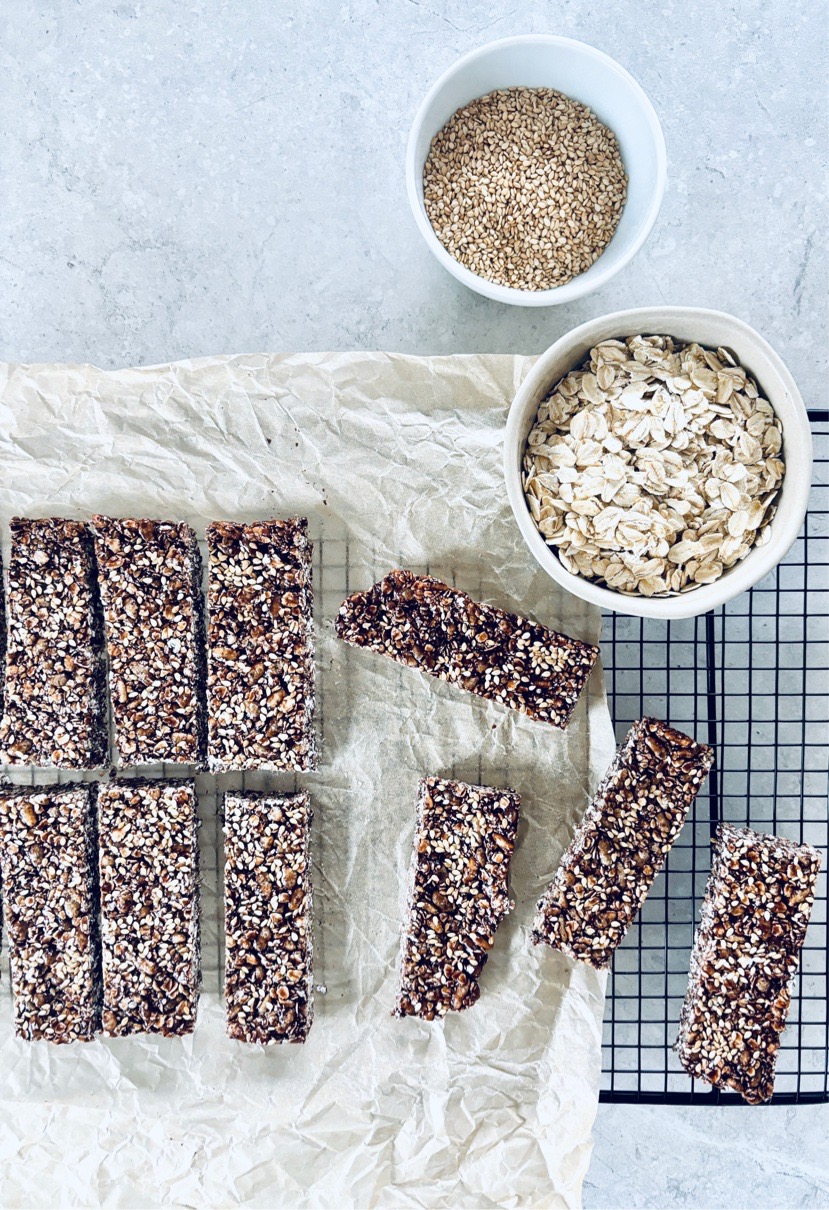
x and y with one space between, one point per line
622 842
747 948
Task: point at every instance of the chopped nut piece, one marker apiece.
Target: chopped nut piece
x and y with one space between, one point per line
150 576
149 906
425 624
260 646
622 842
752 928
269 990
55 702
458 894
47 864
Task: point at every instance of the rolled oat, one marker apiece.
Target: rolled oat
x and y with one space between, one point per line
654 467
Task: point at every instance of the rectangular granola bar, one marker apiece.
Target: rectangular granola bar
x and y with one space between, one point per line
425 624
150 576
260 646
55 700
622 842
752 928
148 846
269 989
2 635
47 859
458 894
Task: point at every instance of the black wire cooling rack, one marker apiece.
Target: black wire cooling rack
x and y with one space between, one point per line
752 680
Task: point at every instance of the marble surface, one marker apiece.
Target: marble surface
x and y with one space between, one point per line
215 177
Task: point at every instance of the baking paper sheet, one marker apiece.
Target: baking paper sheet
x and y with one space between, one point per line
397 462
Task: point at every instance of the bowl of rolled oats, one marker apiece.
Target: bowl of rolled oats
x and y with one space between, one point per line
658 461
535 169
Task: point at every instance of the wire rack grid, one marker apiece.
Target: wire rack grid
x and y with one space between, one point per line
752 680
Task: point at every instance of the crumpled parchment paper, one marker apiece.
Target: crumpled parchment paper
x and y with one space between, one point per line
397 462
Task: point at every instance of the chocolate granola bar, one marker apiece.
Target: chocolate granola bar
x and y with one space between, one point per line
150 575
2 635
149 906
47 859
260 646
458 894
55 702
269 990
622 842
425 624
752 928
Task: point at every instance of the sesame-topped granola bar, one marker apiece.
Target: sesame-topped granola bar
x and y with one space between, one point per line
148 854
260 646
458 894
622 842
269 990
55 702
423 623
150 576
48 869
752 928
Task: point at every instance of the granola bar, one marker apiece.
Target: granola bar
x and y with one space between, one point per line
752 927
269 990
2 635
150 575
47 856
260 646
149 906
622 842
55 700
458 894
423 623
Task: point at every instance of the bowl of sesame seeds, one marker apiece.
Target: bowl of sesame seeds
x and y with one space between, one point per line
535 169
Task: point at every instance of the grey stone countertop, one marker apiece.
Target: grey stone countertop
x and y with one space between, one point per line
215 178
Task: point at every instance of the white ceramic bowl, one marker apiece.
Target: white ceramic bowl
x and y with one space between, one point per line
713 329
587 75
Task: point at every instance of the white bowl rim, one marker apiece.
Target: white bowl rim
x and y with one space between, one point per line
577 287
744 575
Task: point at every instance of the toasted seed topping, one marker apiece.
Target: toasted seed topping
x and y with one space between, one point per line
149 906
269 991
47 865
55 703
622 842
150 575
260 646
752 928
422 622
458 894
